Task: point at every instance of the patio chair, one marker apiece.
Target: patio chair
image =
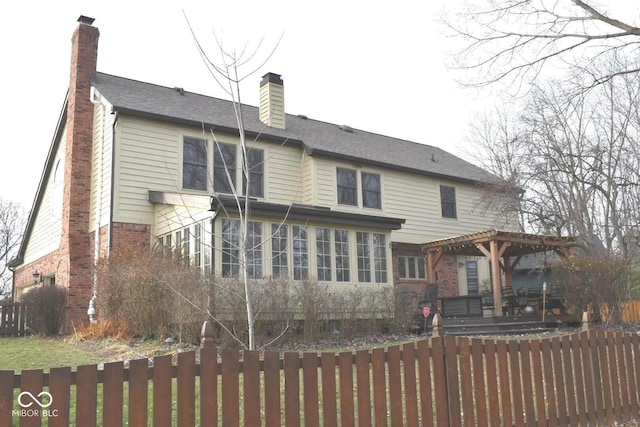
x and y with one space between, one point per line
509 301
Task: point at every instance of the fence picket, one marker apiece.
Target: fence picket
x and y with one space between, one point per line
209 387
230 387
310 385
272 407
138 392
363 387
395 385
527 383
492 381
424 378
345 366
86 395
550 384
440 381
378 377
60 387
479 383
466 383
6 398
186 389
329 396
291 389
608 376
251 387
162 391
32 382
538 382
113 394
559 381
410 386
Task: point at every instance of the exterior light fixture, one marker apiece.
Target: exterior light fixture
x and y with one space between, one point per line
36 277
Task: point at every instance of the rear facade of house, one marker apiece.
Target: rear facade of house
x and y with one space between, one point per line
137 163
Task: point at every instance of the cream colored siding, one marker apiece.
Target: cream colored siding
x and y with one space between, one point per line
170 218
147 155
47 226
284 173
101 166
413 197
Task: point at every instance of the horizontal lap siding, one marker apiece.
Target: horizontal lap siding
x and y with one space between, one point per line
43 238
415 198
101 166
147 156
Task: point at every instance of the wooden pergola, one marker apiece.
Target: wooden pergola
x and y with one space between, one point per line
503 248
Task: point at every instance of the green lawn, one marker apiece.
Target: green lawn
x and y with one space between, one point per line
17 354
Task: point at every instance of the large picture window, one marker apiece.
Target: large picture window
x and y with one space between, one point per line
364 257
380 257
254 250
194 164
224 167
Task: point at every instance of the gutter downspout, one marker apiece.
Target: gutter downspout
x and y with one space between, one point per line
94 97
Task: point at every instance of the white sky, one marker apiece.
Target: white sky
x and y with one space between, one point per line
371 65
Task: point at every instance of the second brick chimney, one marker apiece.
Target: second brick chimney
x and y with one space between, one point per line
272 101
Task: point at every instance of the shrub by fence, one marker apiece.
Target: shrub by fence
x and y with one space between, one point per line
587 378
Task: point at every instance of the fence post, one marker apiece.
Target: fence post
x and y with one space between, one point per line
206 335
436 323
585 320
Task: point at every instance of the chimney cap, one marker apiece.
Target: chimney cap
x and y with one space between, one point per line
85 20
271 78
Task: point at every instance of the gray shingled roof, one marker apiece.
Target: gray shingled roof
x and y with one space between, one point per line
318 138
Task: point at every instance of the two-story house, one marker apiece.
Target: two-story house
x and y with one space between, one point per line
137 162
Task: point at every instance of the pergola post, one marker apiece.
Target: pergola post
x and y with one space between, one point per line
497 277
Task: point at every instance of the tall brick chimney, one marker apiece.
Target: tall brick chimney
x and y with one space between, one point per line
75 245
272 101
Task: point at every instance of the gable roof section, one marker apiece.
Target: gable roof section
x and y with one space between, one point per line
318 138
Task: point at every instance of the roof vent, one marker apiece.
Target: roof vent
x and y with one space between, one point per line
346 128
179 90
433 158
302 116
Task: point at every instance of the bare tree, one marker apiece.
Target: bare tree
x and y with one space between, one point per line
575 158
513 41
11 228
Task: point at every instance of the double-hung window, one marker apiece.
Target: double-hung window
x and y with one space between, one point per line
347 186
372 257
254 250
371 197
279 251
255 163
224 167
194 164
230 248
300 252
448 201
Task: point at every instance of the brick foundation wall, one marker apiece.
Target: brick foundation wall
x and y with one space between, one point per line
130 234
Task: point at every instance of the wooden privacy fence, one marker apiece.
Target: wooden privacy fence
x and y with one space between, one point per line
586 378
13 319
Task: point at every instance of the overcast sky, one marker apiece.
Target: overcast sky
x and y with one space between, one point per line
371 65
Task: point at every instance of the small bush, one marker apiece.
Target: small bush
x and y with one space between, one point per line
46 307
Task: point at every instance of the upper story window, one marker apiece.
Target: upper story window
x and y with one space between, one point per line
224 167
448 201
194 164
347 187
371 190
347 180
255 162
